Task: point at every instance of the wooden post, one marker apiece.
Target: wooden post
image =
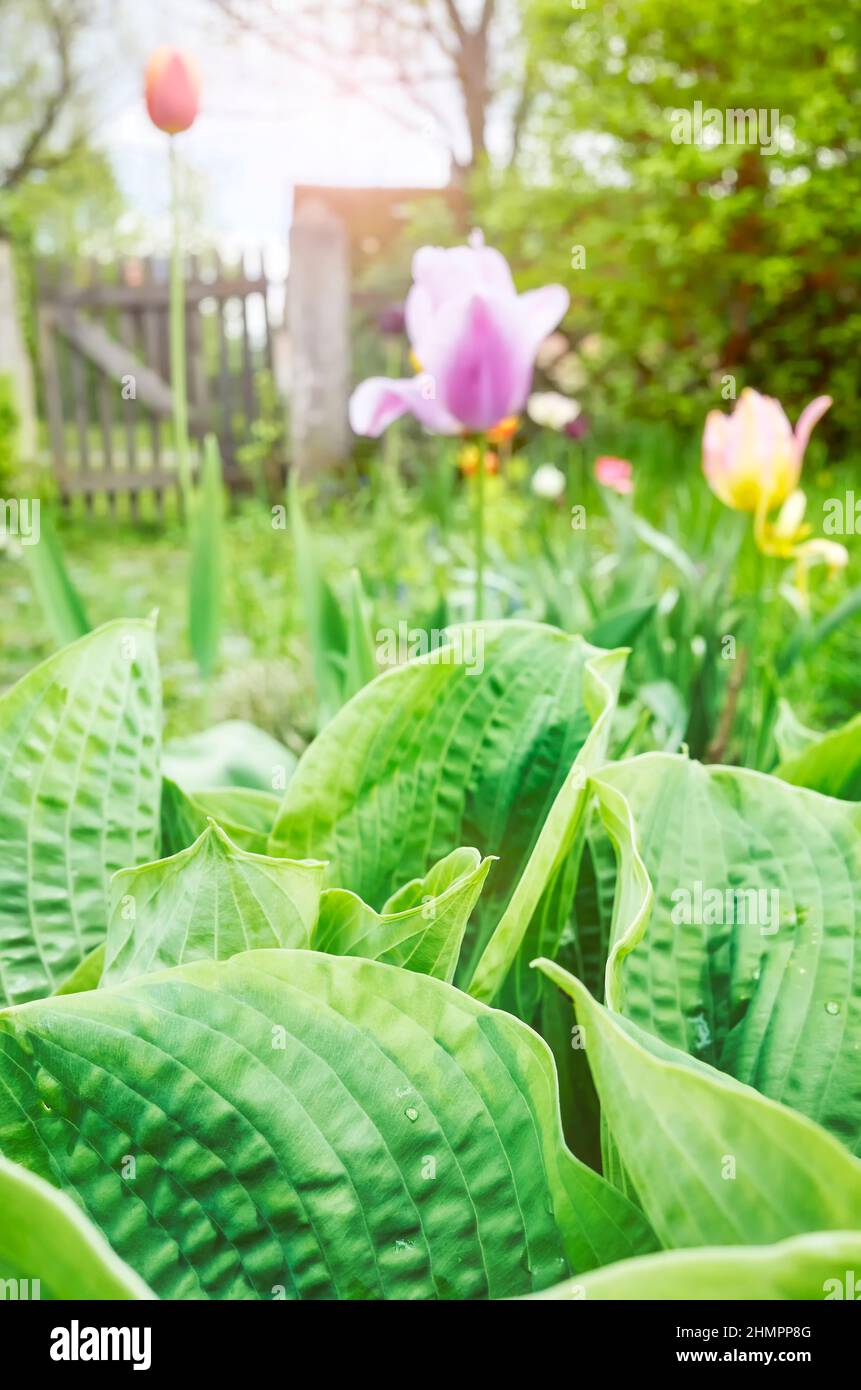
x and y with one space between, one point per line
14 357
318 318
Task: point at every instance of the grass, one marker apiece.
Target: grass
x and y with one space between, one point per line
410 537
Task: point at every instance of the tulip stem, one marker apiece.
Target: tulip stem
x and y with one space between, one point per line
391 439
479 535
178 386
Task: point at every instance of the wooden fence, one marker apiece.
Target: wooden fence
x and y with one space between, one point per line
105 361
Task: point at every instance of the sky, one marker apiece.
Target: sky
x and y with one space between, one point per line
266 124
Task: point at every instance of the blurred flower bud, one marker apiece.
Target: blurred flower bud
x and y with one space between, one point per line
172 90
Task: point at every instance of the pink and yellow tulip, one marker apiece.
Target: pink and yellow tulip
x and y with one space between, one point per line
752 458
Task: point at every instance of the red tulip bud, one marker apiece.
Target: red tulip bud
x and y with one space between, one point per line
172 90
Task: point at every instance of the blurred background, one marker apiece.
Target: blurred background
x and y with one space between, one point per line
335 137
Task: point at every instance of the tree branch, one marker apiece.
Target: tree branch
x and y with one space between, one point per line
30 157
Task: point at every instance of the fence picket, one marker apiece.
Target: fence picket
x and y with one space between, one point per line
114 329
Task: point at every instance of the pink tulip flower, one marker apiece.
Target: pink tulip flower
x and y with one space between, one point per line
474 339
616 474
172 88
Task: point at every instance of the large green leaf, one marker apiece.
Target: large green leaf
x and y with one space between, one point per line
790 735
831 765
46 1240
86 975
208 902
292 1124
469 744
536 916
244 812
713 1162
232 754
79 798
750 954
420 928
814 1267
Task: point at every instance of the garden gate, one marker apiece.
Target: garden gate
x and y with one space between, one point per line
105 360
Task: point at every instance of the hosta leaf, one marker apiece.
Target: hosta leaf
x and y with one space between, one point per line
232 754
712 1161
207 903
79 794
578 1099
44 1237
467 745
810 1267
536 916
750 956
438 879
246 813
422 925
87 975
790 735
554 861
831 765
292 1124
593 906
582 950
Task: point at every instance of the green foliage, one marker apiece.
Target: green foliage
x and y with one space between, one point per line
801 1268
208 902
44 1237
421 927
700 1131
8 431
313 1108
700 260
79 747
59 599
739 928
307 1182
231 754
369 795
247 815
261 456
829 764
206 562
